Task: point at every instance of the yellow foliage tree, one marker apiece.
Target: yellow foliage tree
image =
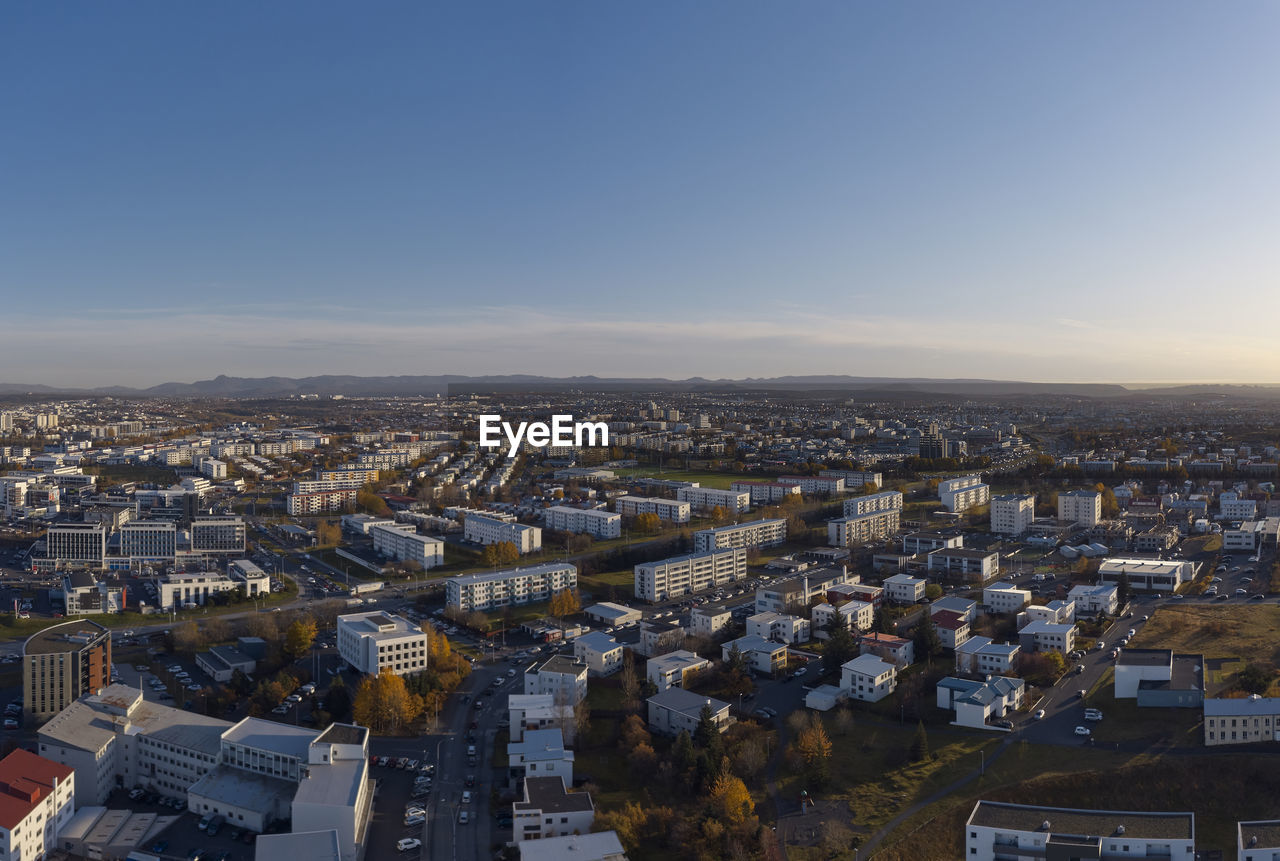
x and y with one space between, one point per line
730 800
384 704
299 637
647 523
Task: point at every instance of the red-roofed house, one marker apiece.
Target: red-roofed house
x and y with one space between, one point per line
953 628
896 650
37 798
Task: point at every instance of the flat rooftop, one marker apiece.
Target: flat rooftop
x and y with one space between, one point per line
1139 825
1266 834
244 789
268 735
1145 657
64 637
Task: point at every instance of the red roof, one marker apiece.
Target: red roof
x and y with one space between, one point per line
949 619
25 781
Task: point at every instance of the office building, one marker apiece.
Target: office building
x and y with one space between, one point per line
377 641
61 663
77 544
217 534
149 541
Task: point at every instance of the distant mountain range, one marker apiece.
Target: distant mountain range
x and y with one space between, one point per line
866 388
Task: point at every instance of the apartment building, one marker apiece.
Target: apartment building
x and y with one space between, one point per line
671 669
860 528
1000 830
965 565
898 651
1082 507
766 492
904 589
684 575
779 626
588 521
1241 721
1005 597
217 534
868 678
885 500
61 663
670 510
37 800
402 543
348 473
821 485
854 479
79 544
755 533
550 811
850 615
377 641
562 677
924 542
1092 600
541 754
1012 513
981 656
709 621
961 494
601 653
320 502
532 712
483 529
327 485
512 586
707 498
763 656
1041 636
676 710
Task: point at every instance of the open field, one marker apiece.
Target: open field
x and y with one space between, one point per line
1231 631
1125 722
717 480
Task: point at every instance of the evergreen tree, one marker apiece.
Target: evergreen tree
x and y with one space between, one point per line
926 638
840 649
920 744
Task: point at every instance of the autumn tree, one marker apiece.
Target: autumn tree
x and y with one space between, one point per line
719 514
630 682
729 799
328 533
647 523
384 704
813 746
920 744
372 503
299 637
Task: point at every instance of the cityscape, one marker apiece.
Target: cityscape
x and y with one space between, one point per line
561 431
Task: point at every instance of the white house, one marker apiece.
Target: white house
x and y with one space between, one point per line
37 799
1042 636
763 656
980 656
675 710
904 589
975 703
1055 612
952 628
709 621
868 678
550 810
541 754
778 626
849 615
1092 600
671 669
534 711
965 608
601 653
560 676
1005 597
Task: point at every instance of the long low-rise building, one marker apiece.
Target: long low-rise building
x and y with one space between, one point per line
402 543
709 498
683 575
320 502
997 830
513 586
671 510
588 521
482 529
1151 575
860 528
755 533
885 500
1241 721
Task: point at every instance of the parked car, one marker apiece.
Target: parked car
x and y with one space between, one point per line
409 843
1039 714
1083 730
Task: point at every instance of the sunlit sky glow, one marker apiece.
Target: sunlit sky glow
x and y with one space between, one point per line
1060 192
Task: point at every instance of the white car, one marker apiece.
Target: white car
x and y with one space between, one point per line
409 843
1083 730
411 821
414 811
1039 714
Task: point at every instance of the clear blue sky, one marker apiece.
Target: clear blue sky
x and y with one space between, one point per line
1055 191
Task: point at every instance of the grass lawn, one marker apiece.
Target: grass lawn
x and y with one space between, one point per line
717 480
1234 631
599 584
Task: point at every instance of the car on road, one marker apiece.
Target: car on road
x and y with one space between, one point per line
1242 591
1039 714
1079 668
466 796
408 843
1083 730
1005 723
471 780
464 817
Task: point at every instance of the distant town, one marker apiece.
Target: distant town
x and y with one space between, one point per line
748 624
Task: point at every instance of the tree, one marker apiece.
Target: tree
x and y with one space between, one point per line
814 748
719 514
882 623
933 591
372 503
565 603
706 730
647 523
328 533
1255 679
730 801
337 701
737 661
920 744
840 648
384 704
299 637
1124 589
843 721
926 638
630 682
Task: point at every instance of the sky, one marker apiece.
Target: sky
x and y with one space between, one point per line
1080 191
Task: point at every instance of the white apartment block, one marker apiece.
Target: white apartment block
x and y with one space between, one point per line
1083 507
513 586
213 469
1237 509
483 529
707 498
969 564
961 494
671 669
1005 597
708 622
683 575
403 544
320 502
671 510
766 492
868 678
589 521
885 500
904 589
981 656
217 534
779 627
601 653
755 533
854 479
562 677
1241 721
851 614
353 473
859 528
377 641
1048 637
1092 600
38 799
1012 513
324 485
814 484
549 811
998 830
